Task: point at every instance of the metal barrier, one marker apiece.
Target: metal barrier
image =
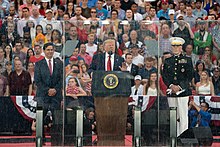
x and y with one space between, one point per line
39 128
173 127
137 127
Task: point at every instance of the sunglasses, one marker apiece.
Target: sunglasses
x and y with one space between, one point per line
93 11
48 28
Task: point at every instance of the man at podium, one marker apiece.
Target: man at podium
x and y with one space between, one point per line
108 61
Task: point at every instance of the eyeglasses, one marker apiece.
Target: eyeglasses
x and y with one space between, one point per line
93 11
48 28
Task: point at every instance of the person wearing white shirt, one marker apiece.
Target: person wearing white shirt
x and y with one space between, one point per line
50 20
138 88
22 22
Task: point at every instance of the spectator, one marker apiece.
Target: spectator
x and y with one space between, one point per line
189 17
86 11
147 69
207 4
199 68
90 3
30 53
78 16
131 68
94 19
3 86
205 86
83 54
8 53
202 38
8 67
209 58
102 13
36 15
73 91
164 43
86 79
4 7
152 14
70 9
22 22
189 53
18 51
134 40
50 20
184 31
164 11
151 87
55 4
108 5
38 54
11 34
57 40
199 11
19 81
48 34
126 4
138 88
30 69
129 16
91 47
90 115
216 80
121 12
60 12
40 39
199 117
137 16
138 59
3 60
182 8
216 38
45 4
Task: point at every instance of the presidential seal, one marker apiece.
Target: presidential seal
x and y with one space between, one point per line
110 81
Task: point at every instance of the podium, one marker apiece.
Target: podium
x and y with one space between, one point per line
111 91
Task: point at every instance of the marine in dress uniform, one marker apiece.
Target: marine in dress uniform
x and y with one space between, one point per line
177 75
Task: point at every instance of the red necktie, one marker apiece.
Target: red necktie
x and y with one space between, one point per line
109 64
50 67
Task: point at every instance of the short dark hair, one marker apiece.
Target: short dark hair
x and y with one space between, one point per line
127 55
26 8
47 44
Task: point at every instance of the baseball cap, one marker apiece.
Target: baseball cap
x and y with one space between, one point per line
73 58
179 15
171 11
164 1
137 77
49 10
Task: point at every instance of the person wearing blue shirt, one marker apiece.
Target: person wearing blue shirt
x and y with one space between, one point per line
90 3
164 11
102 13
199 117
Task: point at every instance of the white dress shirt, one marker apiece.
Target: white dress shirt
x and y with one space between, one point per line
51 62
106 61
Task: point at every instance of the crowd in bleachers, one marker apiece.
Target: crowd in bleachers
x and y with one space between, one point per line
77 29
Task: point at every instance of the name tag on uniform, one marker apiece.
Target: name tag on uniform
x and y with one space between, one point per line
182 61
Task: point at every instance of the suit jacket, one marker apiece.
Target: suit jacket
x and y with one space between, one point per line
105 7
134 69
98 62
178 71
44 80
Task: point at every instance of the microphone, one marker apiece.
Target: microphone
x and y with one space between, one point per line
110 53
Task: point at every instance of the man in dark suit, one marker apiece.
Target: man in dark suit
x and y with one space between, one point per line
130 67
108 61
48 76
177 75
